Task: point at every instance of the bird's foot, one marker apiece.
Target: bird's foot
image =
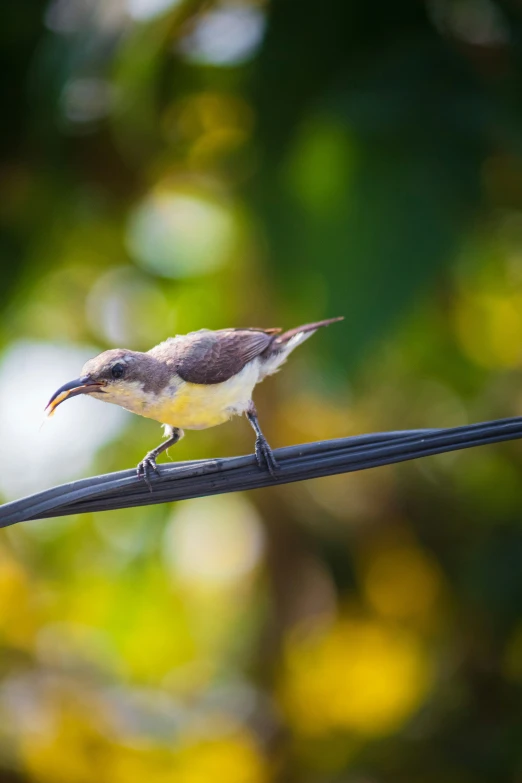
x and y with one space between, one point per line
147 464
265 457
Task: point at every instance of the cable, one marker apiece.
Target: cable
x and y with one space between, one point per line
183 480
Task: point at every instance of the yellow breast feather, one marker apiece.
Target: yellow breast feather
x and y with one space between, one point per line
198 406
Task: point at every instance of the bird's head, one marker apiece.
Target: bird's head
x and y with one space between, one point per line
110 376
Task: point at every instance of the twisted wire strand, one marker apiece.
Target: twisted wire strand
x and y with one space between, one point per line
183 480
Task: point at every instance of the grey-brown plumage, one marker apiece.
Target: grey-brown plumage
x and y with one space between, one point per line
212 357
191 381
209 357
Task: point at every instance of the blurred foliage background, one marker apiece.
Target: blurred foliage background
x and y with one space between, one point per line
172 164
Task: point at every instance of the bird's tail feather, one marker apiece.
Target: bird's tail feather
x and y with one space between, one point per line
282 345
300 333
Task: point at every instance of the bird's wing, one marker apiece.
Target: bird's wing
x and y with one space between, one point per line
208 357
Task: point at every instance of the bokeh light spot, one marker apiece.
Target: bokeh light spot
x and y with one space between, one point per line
489 327
226 35
322 161
234 759
360 675
86 100
215 540
176 234
401 582
143 10
126 308
63 449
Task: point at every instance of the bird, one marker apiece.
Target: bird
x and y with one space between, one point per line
192 381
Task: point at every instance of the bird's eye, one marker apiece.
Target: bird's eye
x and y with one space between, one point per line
118 371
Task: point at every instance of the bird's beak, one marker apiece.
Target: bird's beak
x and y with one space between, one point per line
71 389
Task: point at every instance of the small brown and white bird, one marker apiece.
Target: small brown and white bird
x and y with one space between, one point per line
191 381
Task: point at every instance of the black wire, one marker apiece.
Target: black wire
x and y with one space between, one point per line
183 480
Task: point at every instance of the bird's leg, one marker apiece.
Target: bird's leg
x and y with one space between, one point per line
149 460
264 455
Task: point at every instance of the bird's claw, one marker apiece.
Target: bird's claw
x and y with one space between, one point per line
265 457
146 464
